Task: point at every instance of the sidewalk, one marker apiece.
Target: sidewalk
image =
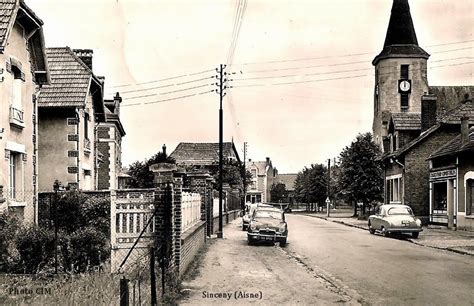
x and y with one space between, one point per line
438 237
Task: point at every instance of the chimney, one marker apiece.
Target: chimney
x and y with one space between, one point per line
268 160
428 111
85 55
117 101
164 149
464 131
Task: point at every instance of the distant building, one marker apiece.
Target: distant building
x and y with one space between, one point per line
263 177
23 67
203 154
287 179
411 118
109 138
70 110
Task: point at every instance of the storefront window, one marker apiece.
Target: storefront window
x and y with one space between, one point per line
470 197
440 196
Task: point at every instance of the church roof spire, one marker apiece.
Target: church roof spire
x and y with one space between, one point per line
400 40
400 28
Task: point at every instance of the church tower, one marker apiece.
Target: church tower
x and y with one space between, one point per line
400 71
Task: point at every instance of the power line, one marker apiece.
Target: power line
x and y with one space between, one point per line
324 65
333 72
165 79
168 92
241 21
451 43
170 99
331 79
308 74
234 28
168 85
354 54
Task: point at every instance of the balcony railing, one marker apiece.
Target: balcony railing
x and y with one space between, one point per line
87 144
16 117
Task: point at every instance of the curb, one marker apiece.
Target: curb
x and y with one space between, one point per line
449 249
408 239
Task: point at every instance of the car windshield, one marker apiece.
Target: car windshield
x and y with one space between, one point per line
400 211
268 214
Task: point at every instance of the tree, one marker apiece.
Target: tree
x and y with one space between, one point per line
278 193
311 185
361 176
140 172
233 173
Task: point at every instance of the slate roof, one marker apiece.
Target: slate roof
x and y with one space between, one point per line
454 146
401 30
400 39
407 121
449 97
287 179
70 79
8 9
451 117
204 154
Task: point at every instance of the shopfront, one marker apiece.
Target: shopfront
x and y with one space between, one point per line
443 197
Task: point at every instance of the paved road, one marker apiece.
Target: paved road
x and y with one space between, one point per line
383 271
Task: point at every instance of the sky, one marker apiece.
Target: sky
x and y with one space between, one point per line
157 51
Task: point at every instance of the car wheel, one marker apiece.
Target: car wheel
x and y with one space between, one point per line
371 229
249 242
415 235
283 243
383 231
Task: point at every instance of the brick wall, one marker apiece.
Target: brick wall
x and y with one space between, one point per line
417 170
104 168
191 242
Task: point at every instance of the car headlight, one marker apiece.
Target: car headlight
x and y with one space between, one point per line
282 228
418 222
253 227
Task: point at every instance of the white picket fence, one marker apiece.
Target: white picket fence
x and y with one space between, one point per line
190 210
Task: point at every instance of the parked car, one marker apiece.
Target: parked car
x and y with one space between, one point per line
249 209
268 224
394 218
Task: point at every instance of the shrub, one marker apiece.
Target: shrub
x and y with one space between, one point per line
96 214
9 226
69 212
86 247
35 248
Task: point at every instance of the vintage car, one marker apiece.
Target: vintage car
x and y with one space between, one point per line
249 209
267 224
394 218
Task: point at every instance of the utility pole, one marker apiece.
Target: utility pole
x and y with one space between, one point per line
245 173
220 91
328 201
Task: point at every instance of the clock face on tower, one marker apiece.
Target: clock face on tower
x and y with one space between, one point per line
404 86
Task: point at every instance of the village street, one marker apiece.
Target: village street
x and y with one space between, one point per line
326 263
